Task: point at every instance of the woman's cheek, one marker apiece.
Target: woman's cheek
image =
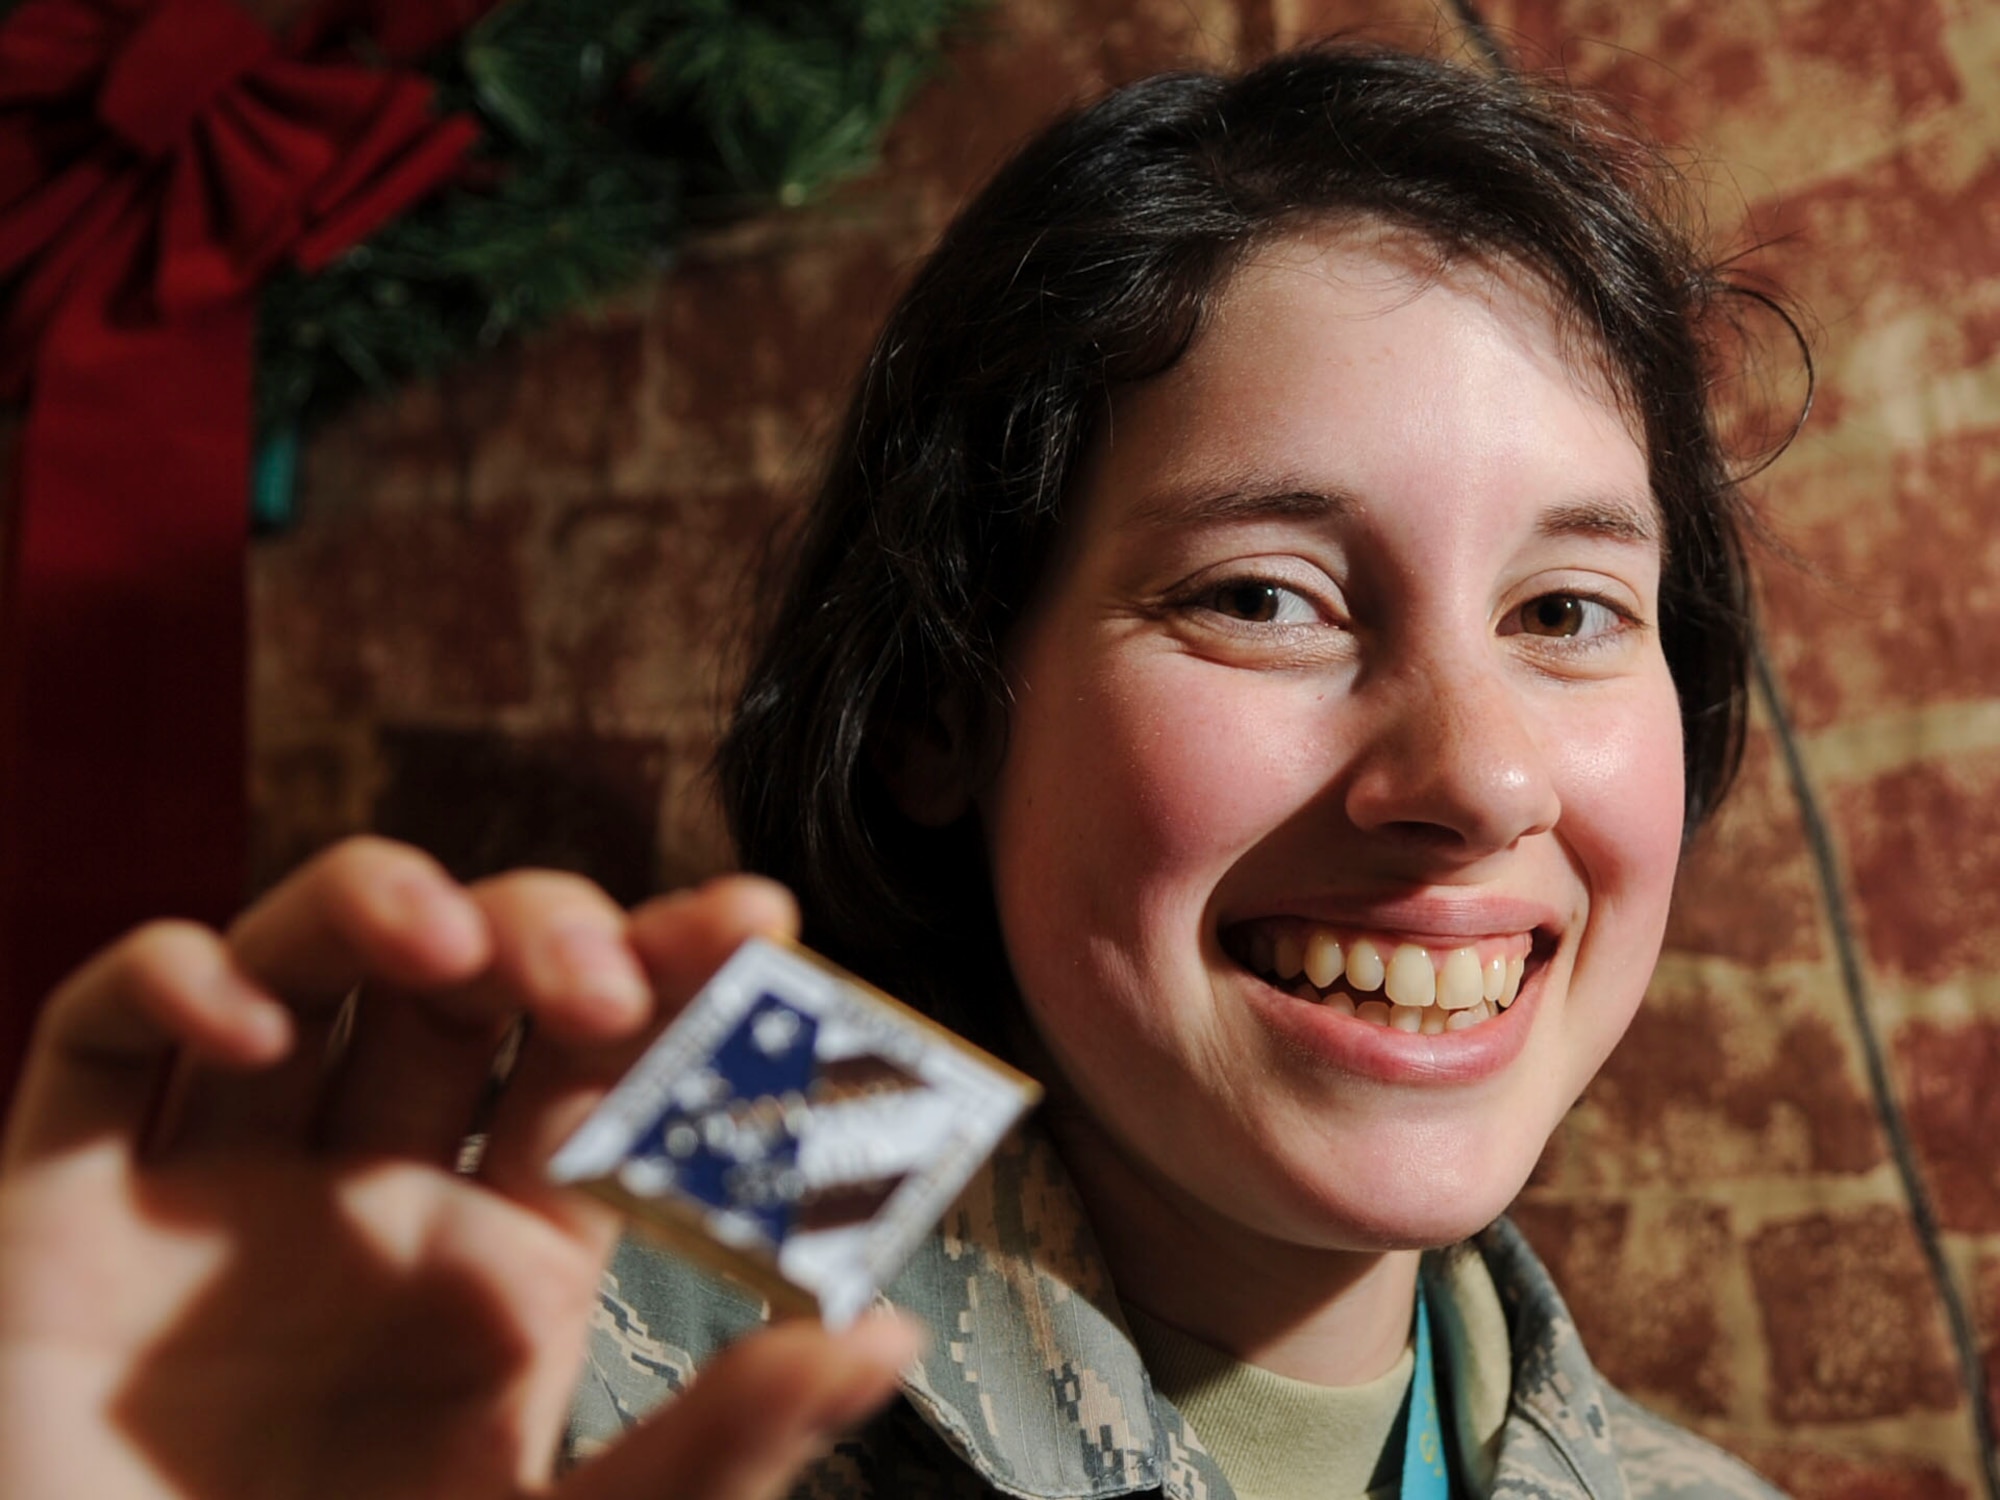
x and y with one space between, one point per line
1191 763
1129 791
1624 794
1623 801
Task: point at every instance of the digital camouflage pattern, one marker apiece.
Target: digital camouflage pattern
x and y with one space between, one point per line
1032 1387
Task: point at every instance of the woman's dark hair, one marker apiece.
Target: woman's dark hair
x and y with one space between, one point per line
1089 262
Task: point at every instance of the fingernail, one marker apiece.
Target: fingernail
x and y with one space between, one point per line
255 1023
883 1344
891 1339
592 965
268 1030
437 912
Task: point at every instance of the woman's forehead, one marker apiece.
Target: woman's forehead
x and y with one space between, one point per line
1360 362
1382 266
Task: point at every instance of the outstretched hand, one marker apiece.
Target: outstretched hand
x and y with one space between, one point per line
235 1257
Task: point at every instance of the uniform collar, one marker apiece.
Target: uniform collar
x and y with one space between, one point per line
1558 1441
1033 1379
1031 1375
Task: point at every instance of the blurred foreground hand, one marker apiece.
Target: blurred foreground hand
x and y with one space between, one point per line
236 1262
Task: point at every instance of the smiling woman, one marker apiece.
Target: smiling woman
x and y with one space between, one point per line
1394 750
1273 616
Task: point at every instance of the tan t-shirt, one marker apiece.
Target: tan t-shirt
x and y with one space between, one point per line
1283 1439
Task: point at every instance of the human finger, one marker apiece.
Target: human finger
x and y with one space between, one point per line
104 1040
366 909
756 1415
681 940
419 1063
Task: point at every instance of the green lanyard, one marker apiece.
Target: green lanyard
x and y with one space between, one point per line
1424 1473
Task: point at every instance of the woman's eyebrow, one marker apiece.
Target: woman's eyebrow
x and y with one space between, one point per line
1612 518
1247 503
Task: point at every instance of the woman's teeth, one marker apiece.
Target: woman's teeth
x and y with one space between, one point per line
1423 989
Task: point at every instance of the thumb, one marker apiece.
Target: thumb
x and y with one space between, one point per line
755 1415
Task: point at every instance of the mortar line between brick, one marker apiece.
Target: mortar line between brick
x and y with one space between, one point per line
1819 843
1482 37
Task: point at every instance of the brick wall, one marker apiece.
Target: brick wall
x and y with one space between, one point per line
1734 1172
502 628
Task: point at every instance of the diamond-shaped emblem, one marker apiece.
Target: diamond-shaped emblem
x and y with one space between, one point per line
796 1129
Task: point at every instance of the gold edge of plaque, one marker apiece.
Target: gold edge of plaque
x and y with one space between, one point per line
1031 1091
682 1231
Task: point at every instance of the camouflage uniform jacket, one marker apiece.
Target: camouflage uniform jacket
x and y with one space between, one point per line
1032 1387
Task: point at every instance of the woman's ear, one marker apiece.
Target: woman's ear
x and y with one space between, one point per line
934 762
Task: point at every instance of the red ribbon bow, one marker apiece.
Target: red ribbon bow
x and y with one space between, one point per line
158 159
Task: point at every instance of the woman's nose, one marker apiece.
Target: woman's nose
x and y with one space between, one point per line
1454 761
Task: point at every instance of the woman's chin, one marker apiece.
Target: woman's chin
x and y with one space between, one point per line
1386 1205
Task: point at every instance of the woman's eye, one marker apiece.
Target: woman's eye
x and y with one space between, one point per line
1258 601
1568 616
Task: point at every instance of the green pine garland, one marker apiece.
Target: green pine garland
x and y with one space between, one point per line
612 126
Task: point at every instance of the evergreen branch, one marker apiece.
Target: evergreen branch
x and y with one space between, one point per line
610 126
